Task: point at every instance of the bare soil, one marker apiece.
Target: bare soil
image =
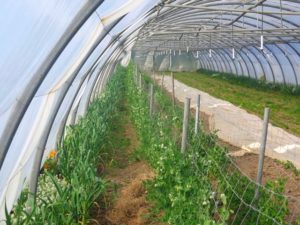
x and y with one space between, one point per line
125 202
274 170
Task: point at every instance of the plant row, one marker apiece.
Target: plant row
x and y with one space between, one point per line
202 186
70 182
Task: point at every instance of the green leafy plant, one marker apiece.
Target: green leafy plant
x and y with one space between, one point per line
202 186
70 183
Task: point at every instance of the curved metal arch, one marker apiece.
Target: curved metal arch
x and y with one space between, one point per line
242 63
203 61
211 64
92 68
37 79
192 12
225 61
115 55
231 61
248 22
266 62
246 62
249 60
52 115
63 122
200 63
167 15
236 62
246 66
208 65
290 63
247 50
214 60
289 59
279 64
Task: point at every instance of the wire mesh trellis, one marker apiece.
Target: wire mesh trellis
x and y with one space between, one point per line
238 184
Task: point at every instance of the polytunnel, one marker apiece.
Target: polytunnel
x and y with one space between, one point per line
57 56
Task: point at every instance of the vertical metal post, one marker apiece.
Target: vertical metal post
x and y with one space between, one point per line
185 125
162 80
170 61
136 75
262 150
140 81
153 66
173 89
151 99
197 116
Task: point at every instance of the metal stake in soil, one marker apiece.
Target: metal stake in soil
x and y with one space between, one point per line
140 81
151 99
185 126
173 89
136 75
197 116
162 80
262 150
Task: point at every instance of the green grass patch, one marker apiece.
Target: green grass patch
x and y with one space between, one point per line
251 95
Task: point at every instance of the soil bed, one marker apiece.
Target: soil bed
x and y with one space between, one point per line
125 201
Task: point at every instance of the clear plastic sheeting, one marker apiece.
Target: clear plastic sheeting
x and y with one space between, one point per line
248 38
264 36
29 31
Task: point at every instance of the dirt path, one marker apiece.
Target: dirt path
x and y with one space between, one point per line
125 201
236 126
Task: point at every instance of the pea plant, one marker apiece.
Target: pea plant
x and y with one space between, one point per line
202 186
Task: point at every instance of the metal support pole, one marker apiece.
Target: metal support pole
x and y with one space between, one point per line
170 61
162 80
24 100
197 116
136 75
151 99
140 81
173 89
262 150
185 125
33 181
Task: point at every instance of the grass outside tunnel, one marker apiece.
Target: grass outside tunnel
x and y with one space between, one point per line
285 107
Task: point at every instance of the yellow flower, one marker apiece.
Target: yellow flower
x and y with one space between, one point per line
52 154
